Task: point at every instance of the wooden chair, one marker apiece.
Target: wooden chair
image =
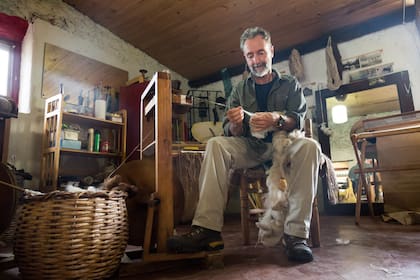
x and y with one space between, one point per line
257 176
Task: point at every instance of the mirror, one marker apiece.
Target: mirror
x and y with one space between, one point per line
386 95
77 74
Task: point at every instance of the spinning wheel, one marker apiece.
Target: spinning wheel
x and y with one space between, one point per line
156 139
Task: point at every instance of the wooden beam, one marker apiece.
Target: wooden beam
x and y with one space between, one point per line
339 36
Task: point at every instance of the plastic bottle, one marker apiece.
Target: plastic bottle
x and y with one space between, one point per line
100 102
96 141
91 137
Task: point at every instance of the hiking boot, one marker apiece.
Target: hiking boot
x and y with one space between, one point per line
198 239
297 249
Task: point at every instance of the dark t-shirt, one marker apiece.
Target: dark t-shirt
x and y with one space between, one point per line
261 92
285 95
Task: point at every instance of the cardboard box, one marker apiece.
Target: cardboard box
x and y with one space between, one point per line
70 134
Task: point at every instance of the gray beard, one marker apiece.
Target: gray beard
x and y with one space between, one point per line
260 74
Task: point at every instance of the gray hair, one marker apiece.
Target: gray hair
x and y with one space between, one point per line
252 32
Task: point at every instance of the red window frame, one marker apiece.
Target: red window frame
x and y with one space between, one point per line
12 32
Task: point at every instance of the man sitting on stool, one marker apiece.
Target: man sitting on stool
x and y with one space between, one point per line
265 93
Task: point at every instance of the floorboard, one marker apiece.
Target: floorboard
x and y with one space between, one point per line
373 250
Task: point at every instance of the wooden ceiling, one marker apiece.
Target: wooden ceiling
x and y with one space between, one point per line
198 38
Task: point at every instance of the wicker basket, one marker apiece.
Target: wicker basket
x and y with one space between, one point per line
64 235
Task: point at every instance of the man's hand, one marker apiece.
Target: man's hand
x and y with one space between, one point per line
263 121
235 117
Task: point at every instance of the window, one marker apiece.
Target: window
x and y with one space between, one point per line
12 32
6 57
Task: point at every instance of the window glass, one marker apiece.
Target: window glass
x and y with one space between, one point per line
4 69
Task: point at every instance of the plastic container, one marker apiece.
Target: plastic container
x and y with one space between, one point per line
100 109
91 137
100 103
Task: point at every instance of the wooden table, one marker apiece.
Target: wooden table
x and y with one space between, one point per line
396 139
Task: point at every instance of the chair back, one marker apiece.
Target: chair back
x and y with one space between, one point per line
308 128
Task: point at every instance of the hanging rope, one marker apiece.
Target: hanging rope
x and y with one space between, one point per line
245 73
333 75
295 65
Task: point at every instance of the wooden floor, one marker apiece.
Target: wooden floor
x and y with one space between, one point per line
373 250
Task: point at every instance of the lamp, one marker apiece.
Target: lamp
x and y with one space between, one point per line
339 114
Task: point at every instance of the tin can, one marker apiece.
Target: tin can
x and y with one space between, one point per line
96 141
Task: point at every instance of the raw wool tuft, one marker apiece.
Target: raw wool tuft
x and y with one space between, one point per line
296 66
333 74
271 224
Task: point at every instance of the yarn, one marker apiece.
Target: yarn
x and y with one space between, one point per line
271 224
333 75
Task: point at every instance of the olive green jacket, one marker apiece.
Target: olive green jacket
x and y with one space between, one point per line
285 96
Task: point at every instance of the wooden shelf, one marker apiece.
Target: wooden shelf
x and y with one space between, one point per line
71 117
87 153
82 161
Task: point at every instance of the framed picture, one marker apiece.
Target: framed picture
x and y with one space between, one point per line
371 72
363 60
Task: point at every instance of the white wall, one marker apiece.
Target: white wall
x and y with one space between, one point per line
61 25
400 45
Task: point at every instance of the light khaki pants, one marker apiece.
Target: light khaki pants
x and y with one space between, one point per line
302 161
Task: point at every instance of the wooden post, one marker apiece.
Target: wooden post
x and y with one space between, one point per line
156 108
244 208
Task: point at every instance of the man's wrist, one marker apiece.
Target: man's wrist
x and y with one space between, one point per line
280 121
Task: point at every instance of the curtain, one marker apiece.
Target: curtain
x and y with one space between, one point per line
26 72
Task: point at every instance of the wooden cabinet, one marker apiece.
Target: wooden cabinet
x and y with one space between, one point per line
79 163
129 100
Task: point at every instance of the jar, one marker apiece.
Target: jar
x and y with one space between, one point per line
105 146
